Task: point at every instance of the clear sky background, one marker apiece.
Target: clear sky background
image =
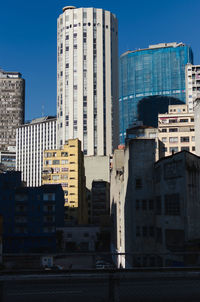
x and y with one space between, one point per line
28 37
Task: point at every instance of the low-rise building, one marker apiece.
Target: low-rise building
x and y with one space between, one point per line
65 166
30 215
79 238
176 130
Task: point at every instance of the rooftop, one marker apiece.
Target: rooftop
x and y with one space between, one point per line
155 46
10 74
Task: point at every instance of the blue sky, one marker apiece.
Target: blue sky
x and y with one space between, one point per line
28 37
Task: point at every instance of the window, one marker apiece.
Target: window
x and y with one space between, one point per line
171 121
185 148
185 139
56 162
137 231
158 205
173 130
48 162
49 196
183 120
144 231
64 154
151 204
137 204
164 139
144 205
193 148
172 204
173 149
64 161
159 235
138 183
164 130
151 231
173 139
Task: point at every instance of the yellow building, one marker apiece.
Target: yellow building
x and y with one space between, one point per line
66 167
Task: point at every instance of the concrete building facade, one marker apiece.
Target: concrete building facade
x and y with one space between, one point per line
192 82
12 94
87 79
132 202
177 195
31 141
65 166
176 130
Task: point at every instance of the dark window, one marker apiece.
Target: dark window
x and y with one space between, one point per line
151 231
185 139
137 204
144 205
185 148
151 204
159 235
144 231
173 130
183 120
172 204
158 205
138 183
164 130
137 231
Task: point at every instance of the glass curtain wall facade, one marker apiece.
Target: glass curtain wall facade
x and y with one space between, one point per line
158 70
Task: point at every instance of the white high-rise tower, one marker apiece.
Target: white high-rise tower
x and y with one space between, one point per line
87 79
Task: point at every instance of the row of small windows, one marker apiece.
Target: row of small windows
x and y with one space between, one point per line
88 24
58 162
171 205
183 120
176 130
176 149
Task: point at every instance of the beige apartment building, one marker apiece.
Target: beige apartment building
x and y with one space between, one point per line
65 166
176 130
192 85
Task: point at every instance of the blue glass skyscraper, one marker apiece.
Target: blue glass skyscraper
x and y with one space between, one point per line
157 70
